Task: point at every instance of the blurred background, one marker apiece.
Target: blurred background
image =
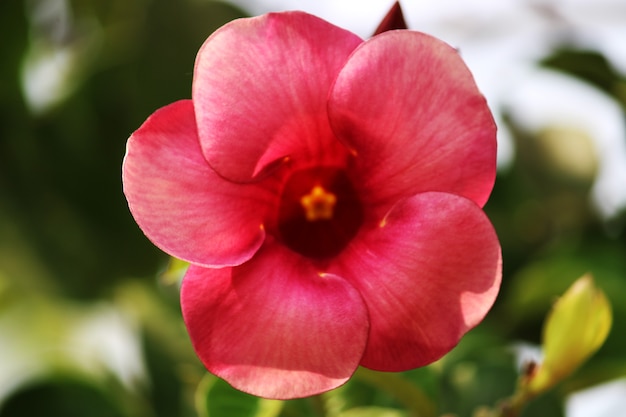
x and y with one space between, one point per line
89 316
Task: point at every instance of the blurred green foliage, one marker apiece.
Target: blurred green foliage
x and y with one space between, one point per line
67 238
63 214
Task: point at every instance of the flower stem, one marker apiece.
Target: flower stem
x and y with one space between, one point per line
512 406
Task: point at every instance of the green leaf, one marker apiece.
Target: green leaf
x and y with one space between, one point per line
402 389
215 398
478 371
63 395
373 412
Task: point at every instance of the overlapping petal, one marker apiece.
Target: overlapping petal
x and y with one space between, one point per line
274 327
260 90
180 203
428 274
409 107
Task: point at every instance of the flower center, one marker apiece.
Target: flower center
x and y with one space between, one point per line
319 212
318 204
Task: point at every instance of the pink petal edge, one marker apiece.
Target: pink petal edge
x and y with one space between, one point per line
428 274
408 106
260 90
274 327
179 202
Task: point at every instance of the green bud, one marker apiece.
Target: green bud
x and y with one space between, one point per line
575 328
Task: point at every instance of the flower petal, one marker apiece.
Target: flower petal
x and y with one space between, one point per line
408 106
260 90
274 326
180 203
428 274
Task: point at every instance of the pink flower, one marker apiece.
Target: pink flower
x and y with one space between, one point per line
327 192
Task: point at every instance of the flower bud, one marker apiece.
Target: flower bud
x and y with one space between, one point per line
577 326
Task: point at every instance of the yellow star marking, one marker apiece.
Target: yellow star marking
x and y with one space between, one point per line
318 204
